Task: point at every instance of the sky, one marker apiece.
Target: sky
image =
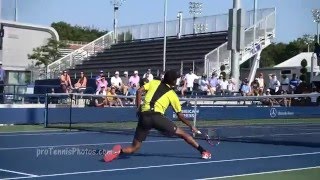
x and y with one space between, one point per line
294 17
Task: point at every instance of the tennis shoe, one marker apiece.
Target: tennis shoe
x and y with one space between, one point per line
206 155
112 154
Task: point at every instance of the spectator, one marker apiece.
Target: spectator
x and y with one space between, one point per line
223 85
314 99
213 83
65 82
148 75
99 77
112 98
125 83
274 84
190 78
116 81
294 83
2 80
204 84
231 86
100 101
261 84
134 83
81 85
284 101
255 86
268 101
285 83
102 82
180 83
246 89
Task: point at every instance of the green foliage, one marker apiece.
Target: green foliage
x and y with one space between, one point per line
277 53
304 63
77 33
123 37
303 70
44 55
303 77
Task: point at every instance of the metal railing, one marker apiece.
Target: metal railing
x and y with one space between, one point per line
264 32
203 24
79 55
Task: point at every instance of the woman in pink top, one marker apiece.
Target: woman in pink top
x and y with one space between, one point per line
102 83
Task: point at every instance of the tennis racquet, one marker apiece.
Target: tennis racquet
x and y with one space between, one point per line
212 137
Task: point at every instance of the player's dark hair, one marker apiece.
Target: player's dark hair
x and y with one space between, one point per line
170 77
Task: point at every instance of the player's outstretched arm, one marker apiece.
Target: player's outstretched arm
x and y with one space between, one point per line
186 122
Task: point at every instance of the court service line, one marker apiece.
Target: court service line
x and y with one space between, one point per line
20 173
171 165
34 131
48 134
94 144
260 173
274 135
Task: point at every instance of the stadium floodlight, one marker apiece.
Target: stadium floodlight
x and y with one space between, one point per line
316 19
201 28
195 8
116 5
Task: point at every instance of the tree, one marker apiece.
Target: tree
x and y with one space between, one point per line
77 33
46 54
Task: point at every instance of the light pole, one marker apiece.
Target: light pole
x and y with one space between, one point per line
116 4
165 35
16 10
195 8
179 16
316 19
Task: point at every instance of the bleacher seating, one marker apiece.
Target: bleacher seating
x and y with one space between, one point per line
144 54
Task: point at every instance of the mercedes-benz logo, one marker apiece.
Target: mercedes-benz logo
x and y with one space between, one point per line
273 112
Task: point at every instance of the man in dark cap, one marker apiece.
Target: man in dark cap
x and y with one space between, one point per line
159 95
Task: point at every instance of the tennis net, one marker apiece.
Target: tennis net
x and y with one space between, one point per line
291 120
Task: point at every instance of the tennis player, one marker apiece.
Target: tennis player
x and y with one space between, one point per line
159 95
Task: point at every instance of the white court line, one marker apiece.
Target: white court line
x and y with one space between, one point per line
20 173
48 134
260 173
272 135
171 165
95 144
35 131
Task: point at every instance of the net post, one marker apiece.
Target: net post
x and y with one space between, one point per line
195 111
46 109
70 111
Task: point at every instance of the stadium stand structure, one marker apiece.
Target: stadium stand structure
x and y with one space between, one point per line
148 53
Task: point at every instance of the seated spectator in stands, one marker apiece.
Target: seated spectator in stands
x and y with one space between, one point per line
314 99
261 84
112 99
102 82
213 82
284 101
134 80
268 101
231 86
223 85
204 85
274 84
255 87
81 85
246 89
285 83
116 81
125 83
148 75
65 82
100 101
99 77
294 83
180 82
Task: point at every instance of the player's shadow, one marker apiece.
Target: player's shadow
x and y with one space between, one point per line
184 156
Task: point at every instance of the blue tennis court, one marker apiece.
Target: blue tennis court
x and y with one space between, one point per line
78 155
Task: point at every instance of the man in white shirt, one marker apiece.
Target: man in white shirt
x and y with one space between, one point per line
116 81
223 85
148 75
274 84
190 78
